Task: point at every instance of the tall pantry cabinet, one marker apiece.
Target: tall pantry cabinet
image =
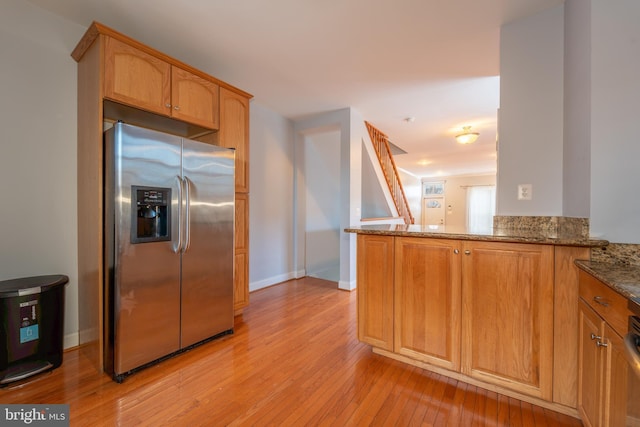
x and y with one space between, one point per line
234 133
122 79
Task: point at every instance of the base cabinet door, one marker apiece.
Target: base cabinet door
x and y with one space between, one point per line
507 329
605 397
618 402
590 364
375 290
427 300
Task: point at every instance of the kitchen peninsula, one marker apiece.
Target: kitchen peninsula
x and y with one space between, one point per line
494 308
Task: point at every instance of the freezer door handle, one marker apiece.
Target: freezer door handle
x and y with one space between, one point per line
178 245
187 219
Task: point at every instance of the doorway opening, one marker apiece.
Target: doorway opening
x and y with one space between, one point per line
322 206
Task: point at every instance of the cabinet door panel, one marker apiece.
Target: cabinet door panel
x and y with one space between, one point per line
241 258
618 399
195 100
589 366
234 133
241 278
375 290
242 222
508 306
136 78
427 301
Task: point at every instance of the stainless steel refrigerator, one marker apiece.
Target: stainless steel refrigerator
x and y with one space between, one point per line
169 224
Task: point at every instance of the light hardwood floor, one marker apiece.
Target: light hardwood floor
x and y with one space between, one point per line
294 359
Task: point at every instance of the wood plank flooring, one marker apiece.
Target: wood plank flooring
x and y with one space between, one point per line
294 360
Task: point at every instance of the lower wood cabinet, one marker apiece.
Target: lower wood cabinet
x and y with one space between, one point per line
507 326
427 300
483 311
375 298
602 366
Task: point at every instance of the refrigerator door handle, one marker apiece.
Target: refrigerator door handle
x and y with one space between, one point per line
187 219
178 246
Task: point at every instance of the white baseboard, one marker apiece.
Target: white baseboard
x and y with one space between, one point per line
347 286
71 340
265 283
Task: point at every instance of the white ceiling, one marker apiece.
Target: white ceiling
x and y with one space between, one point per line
434 60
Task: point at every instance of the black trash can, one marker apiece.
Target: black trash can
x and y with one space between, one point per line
31 326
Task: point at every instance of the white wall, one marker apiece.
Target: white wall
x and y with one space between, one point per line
271 206
592 170
455 195
38 149
577 110
531 114
615 147
322 225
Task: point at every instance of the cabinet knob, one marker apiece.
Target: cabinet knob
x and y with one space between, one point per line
167 105
601 344
467 252
176 107
456 251
595 337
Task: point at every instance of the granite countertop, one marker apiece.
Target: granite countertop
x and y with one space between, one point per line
623 278
488 235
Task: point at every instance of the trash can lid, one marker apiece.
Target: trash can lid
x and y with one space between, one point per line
30 285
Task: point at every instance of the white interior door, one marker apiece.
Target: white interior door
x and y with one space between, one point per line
433 210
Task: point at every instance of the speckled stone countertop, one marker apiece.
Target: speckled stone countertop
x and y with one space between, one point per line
623 278
487 235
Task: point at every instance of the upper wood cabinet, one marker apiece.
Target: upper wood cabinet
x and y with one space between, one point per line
194 99
234 133
141 80
507 329
136 78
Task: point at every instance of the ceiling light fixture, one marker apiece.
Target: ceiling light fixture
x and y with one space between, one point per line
467 137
